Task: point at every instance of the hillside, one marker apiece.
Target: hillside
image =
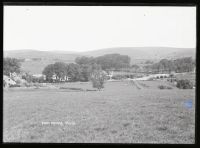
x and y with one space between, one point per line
137 54
45 57
145 52
28 54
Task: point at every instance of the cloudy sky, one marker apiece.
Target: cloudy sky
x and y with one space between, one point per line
84 28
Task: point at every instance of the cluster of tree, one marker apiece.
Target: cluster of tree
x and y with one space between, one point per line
186 64
113 61
11 65
84 66
108 61
74 72
184 84
85 60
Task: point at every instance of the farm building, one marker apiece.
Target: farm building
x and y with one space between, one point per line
65 78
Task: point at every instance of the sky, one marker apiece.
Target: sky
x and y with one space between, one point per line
86 28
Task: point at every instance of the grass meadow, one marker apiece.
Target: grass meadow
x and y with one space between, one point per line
123 112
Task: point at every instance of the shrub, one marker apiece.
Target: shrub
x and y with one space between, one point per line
169 87
164 87
184 84
98 79
15 85
161 87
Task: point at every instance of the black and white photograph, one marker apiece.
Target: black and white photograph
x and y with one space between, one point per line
99 74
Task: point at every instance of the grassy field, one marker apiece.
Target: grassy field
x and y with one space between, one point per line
124 112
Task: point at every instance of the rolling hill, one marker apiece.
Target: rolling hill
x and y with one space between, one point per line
137 55
28 54
145 52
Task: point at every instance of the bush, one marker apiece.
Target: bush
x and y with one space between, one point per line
169 87
15 85
184 84
164 87
98 79
161 87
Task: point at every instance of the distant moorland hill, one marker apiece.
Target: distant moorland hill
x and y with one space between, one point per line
137 55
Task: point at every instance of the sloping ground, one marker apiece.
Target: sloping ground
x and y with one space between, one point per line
36 67
145 52
29 54
120 114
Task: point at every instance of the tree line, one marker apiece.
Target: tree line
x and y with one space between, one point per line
11 65
180 65
108 61
84 66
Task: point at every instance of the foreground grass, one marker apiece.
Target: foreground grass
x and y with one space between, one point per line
121 113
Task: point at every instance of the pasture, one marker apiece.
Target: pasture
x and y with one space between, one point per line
123 112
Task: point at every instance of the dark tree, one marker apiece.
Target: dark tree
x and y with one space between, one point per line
98 78
184 84
86 71
11 65
179 65
60 69
84 60
49 72
73 71
113 61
